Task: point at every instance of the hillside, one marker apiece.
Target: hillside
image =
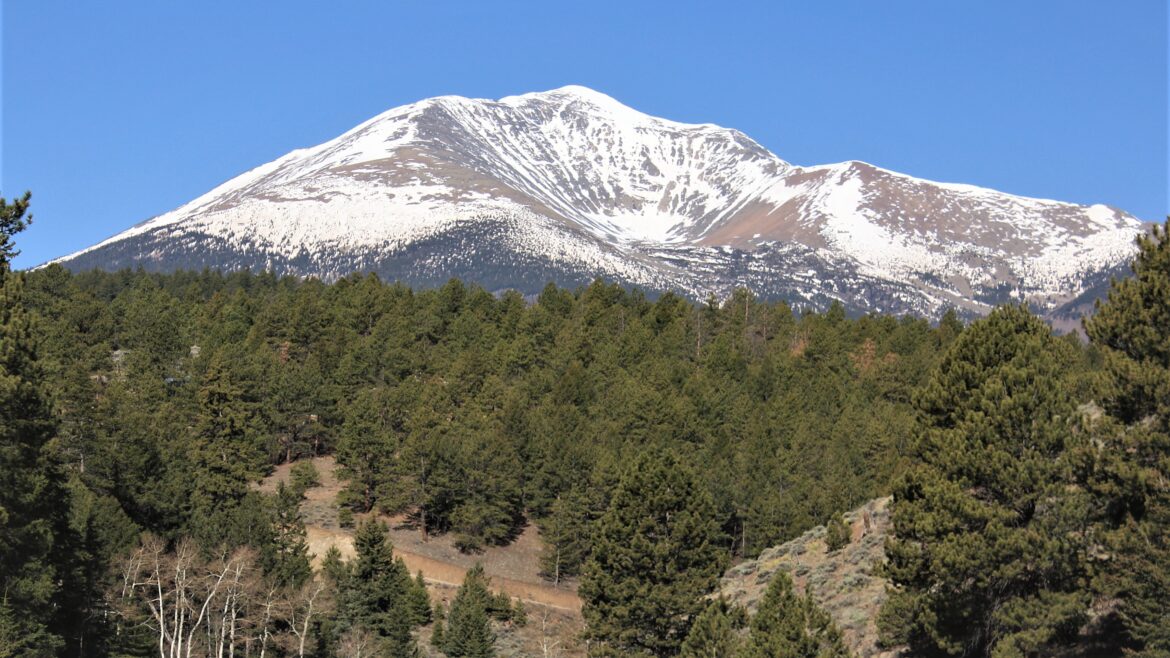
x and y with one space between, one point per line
846 584
480 418
843 582
554 612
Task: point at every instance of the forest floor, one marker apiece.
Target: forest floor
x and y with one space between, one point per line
554 612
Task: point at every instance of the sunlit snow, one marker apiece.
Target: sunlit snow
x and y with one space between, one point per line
583 179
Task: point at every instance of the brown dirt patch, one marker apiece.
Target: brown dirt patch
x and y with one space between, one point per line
514 568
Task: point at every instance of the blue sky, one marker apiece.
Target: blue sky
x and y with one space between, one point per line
113 112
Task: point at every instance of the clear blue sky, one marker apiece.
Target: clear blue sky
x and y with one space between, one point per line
116 111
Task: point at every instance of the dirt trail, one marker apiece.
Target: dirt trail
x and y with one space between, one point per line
513 568
446 574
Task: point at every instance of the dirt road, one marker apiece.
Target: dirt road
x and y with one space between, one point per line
512 568
445 574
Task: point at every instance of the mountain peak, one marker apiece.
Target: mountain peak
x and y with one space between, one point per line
567 93
570 184
582 92
577 95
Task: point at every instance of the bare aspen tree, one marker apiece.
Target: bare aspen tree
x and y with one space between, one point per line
236 580
195 607
549 647
357 643
303 606
267 604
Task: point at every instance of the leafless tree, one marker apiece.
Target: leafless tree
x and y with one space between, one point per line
194 606
267 605
304 605
357 643
549 647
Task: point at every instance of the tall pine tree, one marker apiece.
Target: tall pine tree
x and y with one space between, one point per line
1132 329
986 556
566 532
788 625
656 554
221 457
34 505
469 633
713 635
285 558
375 592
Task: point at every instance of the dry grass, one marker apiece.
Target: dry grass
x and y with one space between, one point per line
554 613
843 582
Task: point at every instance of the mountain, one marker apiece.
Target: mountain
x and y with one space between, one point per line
568 185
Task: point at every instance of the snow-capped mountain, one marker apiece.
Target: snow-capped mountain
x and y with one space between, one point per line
568 185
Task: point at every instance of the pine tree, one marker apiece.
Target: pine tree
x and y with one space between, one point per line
376 590
420 600
791 626
366 447
14 218
424 479
286 557
336 570
986 555
304 476
655 555
837 533
713 634
101 532
1132 329
34 504
223 452
566 533
469 633
438 633
488 493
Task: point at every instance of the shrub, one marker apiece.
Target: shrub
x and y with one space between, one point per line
345 517
837 533
304 476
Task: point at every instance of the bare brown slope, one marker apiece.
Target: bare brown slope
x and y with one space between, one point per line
843 582
513 568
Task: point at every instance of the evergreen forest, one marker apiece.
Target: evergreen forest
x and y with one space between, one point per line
653 443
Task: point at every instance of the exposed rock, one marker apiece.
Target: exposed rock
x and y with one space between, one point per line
843 582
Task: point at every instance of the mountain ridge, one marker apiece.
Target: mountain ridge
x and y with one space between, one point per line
573 184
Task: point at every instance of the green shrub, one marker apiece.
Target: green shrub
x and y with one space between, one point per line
345 517
304 476
837 533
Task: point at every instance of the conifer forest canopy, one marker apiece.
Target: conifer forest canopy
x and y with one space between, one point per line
653 443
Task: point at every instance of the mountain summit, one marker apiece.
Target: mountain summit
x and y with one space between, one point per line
569 184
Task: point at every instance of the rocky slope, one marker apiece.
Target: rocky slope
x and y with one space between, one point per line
843 582
568 185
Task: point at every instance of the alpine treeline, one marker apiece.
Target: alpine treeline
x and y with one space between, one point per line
652 441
